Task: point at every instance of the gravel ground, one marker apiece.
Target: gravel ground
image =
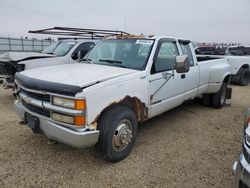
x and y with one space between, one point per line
190 146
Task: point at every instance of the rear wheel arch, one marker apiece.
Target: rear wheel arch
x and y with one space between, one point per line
227 79
245 66
218 99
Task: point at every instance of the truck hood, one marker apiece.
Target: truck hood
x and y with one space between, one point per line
77 74
22 56
44 62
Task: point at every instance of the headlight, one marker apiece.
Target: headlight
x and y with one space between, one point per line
73 120
78 104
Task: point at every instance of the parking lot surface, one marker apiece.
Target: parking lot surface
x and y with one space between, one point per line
190 146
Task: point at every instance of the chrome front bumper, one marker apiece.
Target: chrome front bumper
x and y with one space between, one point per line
78 139
241 170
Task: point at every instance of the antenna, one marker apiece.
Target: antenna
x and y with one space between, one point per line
125 25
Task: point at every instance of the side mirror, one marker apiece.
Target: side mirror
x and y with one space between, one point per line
182 64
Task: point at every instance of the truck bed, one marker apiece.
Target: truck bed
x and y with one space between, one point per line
210 72
236 62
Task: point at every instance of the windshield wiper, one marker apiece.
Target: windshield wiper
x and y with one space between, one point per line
86 60
113 62
51 53
110 61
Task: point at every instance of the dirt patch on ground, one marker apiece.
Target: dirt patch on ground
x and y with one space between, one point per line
190 146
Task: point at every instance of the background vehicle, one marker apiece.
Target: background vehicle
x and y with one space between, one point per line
66 51
238 50
210 50
241 167
123 80
207 50
62 52
240 67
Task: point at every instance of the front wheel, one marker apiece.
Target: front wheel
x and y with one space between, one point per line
118 131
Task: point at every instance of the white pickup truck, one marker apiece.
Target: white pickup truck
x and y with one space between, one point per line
240 67
61 52
122 81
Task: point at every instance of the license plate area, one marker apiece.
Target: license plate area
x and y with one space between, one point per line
32 122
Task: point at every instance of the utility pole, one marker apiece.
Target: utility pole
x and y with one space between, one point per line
9 43
141 31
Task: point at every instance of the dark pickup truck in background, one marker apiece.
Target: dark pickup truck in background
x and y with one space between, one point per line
210 50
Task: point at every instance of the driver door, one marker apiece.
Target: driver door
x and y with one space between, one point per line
166 86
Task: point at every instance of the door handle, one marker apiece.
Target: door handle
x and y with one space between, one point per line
183 76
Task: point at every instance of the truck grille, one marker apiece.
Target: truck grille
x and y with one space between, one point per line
38 96
36 109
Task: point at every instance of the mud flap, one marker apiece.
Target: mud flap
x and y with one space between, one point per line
229 93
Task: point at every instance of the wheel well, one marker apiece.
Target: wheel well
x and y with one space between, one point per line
227 79
135 104
246 66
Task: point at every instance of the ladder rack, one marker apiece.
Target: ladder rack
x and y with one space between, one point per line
81 33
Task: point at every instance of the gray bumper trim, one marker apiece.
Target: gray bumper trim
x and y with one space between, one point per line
241 170
81 139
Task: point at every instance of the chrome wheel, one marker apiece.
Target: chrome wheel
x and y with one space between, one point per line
122 135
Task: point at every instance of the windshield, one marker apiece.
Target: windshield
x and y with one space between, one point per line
51 48
127 53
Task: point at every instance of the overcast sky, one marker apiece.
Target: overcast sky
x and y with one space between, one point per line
200 20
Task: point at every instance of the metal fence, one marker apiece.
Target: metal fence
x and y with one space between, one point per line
23 44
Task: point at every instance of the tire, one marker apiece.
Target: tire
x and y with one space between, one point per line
206 100
219 98
113 124
244 77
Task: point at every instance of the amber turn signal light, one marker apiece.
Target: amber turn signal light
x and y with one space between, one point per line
80 104
79 120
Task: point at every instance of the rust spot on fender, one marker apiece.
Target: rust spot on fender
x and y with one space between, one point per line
139 108
96 119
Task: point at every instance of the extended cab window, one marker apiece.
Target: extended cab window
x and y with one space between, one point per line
187 51
166 57
83 49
